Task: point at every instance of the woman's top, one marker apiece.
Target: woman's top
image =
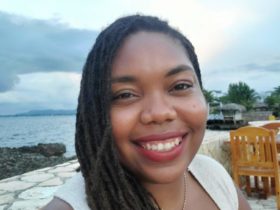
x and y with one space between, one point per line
209 173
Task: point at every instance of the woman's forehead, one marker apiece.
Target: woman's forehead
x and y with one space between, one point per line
150 49
144 39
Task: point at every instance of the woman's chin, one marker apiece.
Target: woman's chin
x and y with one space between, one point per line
163 176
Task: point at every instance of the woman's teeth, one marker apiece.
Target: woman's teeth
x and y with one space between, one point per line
162 146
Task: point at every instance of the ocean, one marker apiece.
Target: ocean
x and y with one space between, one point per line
31 130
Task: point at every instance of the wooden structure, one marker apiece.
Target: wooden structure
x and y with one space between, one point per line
226 116
254 154
273 126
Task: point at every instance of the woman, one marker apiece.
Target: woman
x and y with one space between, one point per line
141 119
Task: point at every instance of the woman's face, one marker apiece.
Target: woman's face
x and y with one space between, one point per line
158 111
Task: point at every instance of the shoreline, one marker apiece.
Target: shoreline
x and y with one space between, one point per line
17 161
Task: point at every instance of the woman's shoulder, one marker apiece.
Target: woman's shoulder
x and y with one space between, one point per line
215 180
57 204
206 168
73 193
202 163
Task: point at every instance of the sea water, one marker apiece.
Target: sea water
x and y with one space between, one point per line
31 130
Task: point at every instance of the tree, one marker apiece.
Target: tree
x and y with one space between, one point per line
209 96
273 100
240 93
212 96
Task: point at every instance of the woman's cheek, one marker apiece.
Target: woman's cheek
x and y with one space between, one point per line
202 111
195 111
122 119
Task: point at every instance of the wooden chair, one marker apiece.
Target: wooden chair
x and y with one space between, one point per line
254 154
276 127
272 126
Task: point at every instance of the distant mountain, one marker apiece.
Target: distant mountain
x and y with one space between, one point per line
47 112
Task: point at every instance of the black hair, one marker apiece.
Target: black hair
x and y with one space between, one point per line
108 184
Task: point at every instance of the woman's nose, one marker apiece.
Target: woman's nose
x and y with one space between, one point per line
157 110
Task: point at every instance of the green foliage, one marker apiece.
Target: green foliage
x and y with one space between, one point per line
240 93
273 100
224 99
209 96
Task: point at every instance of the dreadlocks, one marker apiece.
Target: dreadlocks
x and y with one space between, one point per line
108 184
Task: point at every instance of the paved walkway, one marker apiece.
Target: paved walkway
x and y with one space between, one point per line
33 190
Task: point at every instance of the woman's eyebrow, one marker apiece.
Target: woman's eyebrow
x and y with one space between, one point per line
171 72
179 69
123 79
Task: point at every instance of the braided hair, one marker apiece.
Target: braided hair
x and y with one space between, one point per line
108 184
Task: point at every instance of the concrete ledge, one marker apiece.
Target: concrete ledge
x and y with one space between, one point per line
214 146
34 189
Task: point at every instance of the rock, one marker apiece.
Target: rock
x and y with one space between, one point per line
55 149
28 149
15 161
52 149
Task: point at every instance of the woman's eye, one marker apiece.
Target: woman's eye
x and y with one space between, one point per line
181 86
122 96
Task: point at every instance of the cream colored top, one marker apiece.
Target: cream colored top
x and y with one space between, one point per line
209 173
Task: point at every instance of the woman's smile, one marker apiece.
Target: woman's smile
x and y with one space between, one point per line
160 147
156 149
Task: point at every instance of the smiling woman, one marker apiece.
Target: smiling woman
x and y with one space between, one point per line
141 119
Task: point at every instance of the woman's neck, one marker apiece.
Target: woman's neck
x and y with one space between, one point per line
170 196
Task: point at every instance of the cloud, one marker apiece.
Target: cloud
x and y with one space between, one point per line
264 66
208 26
273 67
261 76
234 42
7 81
30 45
54 90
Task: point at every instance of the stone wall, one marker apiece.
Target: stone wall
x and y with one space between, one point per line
216 145
256 115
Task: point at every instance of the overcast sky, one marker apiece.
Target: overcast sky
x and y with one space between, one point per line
44 44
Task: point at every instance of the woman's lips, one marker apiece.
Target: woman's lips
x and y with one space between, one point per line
162 147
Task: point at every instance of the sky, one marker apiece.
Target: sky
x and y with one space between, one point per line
44 44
